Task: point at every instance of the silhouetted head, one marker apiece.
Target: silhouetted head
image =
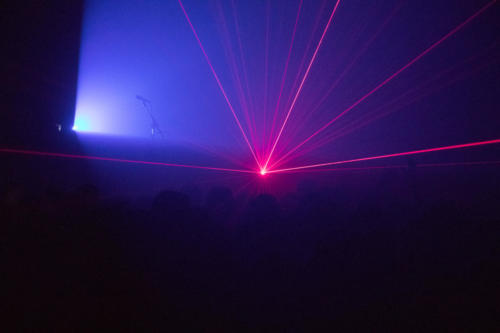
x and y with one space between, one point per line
219 195
87 194
264 208
169 203
220 202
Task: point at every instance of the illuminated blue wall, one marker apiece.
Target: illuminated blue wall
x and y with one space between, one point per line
146 48
133 47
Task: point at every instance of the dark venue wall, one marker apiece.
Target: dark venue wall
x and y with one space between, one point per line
38 76
39 65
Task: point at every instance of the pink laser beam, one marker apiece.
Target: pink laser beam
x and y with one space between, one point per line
303 60
302 82
266 69
236 76
298 75
358 55
413 152
109 159
449 34
287 63
219 83
245 75
375 115
402 166
346 70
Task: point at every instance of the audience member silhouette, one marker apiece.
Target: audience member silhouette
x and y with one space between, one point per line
303 260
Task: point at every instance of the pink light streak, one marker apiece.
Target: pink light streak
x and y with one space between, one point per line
287 63
315 107
299 72
302 83
266 67
391 107
235 73
245 76
402 166
391 77
413 152
302 61
219 83
109 159
356 58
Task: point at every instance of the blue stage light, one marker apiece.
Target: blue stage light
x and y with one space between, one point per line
81 125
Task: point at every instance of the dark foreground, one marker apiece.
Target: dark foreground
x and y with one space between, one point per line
312 260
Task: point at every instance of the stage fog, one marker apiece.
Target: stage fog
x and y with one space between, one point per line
267 85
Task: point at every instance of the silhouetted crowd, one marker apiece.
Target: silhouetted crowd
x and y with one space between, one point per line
312 260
